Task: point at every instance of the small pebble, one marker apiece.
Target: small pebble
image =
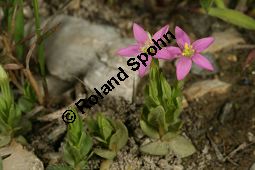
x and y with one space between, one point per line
251 137
232 58
27 12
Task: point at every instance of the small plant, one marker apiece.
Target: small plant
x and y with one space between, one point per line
160 116
14 24
13 35
11 121
163 103
77 147
111 134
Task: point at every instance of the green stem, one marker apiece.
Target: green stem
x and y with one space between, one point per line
15 24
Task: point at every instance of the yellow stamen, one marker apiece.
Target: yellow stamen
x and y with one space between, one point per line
188 50
147 44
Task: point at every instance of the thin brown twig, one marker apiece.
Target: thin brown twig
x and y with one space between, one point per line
57 114
29 54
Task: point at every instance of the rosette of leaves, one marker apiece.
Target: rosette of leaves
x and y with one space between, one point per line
160 116
11 120
111 134
77 147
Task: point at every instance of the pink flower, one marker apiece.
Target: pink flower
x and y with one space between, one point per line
186 53
143 42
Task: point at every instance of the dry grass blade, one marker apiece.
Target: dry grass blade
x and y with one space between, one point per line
13 66
7 47
45 34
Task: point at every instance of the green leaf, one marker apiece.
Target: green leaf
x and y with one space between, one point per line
21 140
85 144
77 144
169 136
150 101
157 117
104 126
148 130
152 91
19 28
91 124
106 164
25 104
68 155
175 127
4 140
4 127
100 139
120 138
220 3
233 17
14 116
155 148
107 154
206 4
181 146
166 89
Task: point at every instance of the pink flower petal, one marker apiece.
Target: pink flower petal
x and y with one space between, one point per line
132 50
202 61
142 69
140 35
183 67
159 34
202 44
168 53
181 37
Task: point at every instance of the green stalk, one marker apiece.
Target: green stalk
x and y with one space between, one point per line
40 48
15 24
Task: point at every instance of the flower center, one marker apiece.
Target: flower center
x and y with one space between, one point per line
188 50
146 45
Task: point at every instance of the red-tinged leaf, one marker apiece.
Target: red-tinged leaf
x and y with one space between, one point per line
250 59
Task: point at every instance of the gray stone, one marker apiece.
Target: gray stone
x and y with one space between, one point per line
19 158
75 46
225 39
226 113
107 67
56 86
252 167
53 157
27 11
81 48
201 88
